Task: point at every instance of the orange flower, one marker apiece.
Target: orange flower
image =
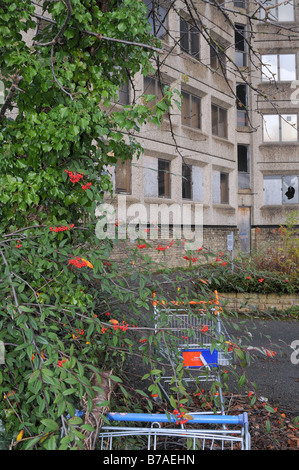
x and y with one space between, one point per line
261 280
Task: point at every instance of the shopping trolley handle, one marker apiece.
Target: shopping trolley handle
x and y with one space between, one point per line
241 419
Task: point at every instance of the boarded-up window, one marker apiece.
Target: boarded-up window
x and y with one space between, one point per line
123 176
197 184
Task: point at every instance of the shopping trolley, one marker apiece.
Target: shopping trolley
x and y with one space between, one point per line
204 431
201 358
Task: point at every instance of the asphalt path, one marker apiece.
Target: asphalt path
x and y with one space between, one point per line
277 377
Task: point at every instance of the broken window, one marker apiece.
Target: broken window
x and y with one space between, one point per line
189 38
123 176
281 189
219 121
278 67
158 17
242 115
163 178
240 46
186 181
190 112
276 10
280 128
243 167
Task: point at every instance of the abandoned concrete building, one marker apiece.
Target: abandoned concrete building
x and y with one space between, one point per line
233 146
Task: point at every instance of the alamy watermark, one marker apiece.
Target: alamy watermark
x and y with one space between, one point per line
151 221
295 353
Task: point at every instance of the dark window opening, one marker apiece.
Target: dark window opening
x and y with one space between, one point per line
224 192
187 181
163 178
290 192
242 158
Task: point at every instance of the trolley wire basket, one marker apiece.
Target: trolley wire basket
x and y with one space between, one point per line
142 431
203 352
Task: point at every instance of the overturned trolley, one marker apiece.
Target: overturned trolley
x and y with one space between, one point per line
143 431
195 336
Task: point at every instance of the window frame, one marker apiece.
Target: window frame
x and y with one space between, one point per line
224 187
279 128
219 109
163 176
266 79
242 112
154 14
191 101
241 52
189 30
280 179
127 188
217 57
277 7
187 181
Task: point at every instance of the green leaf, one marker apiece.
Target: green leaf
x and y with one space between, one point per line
50 424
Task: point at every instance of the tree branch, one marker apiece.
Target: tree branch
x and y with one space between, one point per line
16 79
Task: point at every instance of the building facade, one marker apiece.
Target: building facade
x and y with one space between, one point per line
233 145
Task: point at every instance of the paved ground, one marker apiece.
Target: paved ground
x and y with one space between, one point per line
277 378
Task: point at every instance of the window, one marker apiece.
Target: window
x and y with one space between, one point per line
152 86
240 46
242 116
189 38
240 3
243 167
123 94
163 178
157 17
186 181
123 176
224 188
278 67
280 128
217 57
277 10
281 190
220 188
190 113
219 121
